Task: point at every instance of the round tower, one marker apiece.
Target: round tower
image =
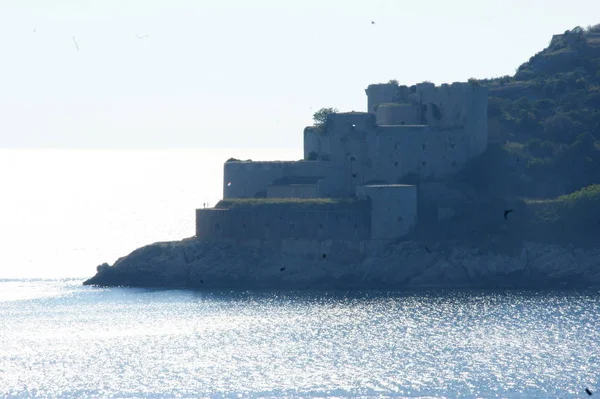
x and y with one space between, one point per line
380 94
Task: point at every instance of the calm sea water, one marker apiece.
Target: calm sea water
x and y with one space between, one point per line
59 339
64 212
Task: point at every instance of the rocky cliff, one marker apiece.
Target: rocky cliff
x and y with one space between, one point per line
194 263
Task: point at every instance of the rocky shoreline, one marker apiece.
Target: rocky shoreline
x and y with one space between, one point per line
193 263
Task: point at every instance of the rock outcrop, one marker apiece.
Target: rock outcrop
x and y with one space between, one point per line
195 263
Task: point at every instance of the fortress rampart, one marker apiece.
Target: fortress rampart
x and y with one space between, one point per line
283 224
423 131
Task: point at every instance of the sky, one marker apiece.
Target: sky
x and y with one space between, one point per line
238 73
116 115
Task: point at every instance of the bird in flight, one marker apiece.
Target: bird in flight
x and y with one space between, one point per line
506 212
372 22
587 390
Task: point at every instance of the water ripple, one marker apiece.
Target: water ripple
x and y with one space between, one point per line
74 341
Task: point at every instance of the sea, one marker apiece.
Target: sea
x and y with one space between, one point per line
60 339
63 212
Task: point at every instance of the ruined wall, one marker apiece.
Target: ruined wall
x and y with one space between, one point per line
443 128
444 106
383 93
365 154
422 150
282 224
477 122
317 145
398 114
393 209
380 94
251 178
457 105
352 137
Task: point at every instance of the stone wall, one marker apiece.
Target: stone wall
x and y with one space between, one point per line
421 150
457 105
293 191
251 179
398 114
317 145
380 94
393 209
280 224
444 127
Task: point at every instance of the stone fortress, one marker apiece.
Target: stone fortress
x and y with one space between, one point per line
417 133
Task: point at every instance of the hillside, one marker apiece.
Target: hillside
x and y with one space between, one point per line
543 155
542 165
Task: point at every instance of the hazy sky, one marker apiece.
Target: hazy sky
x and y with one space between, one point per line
241 73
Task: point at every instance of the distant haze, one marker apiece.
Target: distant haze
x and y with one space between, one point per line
203 77
63 212
187 73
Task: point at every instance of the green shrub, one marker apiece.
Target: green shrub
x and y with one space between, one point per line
495 107
320 117
578 211
540 149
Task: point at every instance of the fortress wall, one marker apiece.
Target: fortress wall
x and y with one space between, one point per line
332 186
282 224
380 94
398 114
394 210
458 105
250 178
401 152
383 93
449 100
421 150
477 122
293 191
316 142
351 136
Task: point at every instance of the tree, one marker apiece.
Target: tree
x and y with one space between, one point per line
495 107
320 117
561 128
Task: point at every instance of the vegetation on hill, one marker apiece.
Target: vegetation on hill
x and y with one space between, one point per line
544 145
549 112
546 118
